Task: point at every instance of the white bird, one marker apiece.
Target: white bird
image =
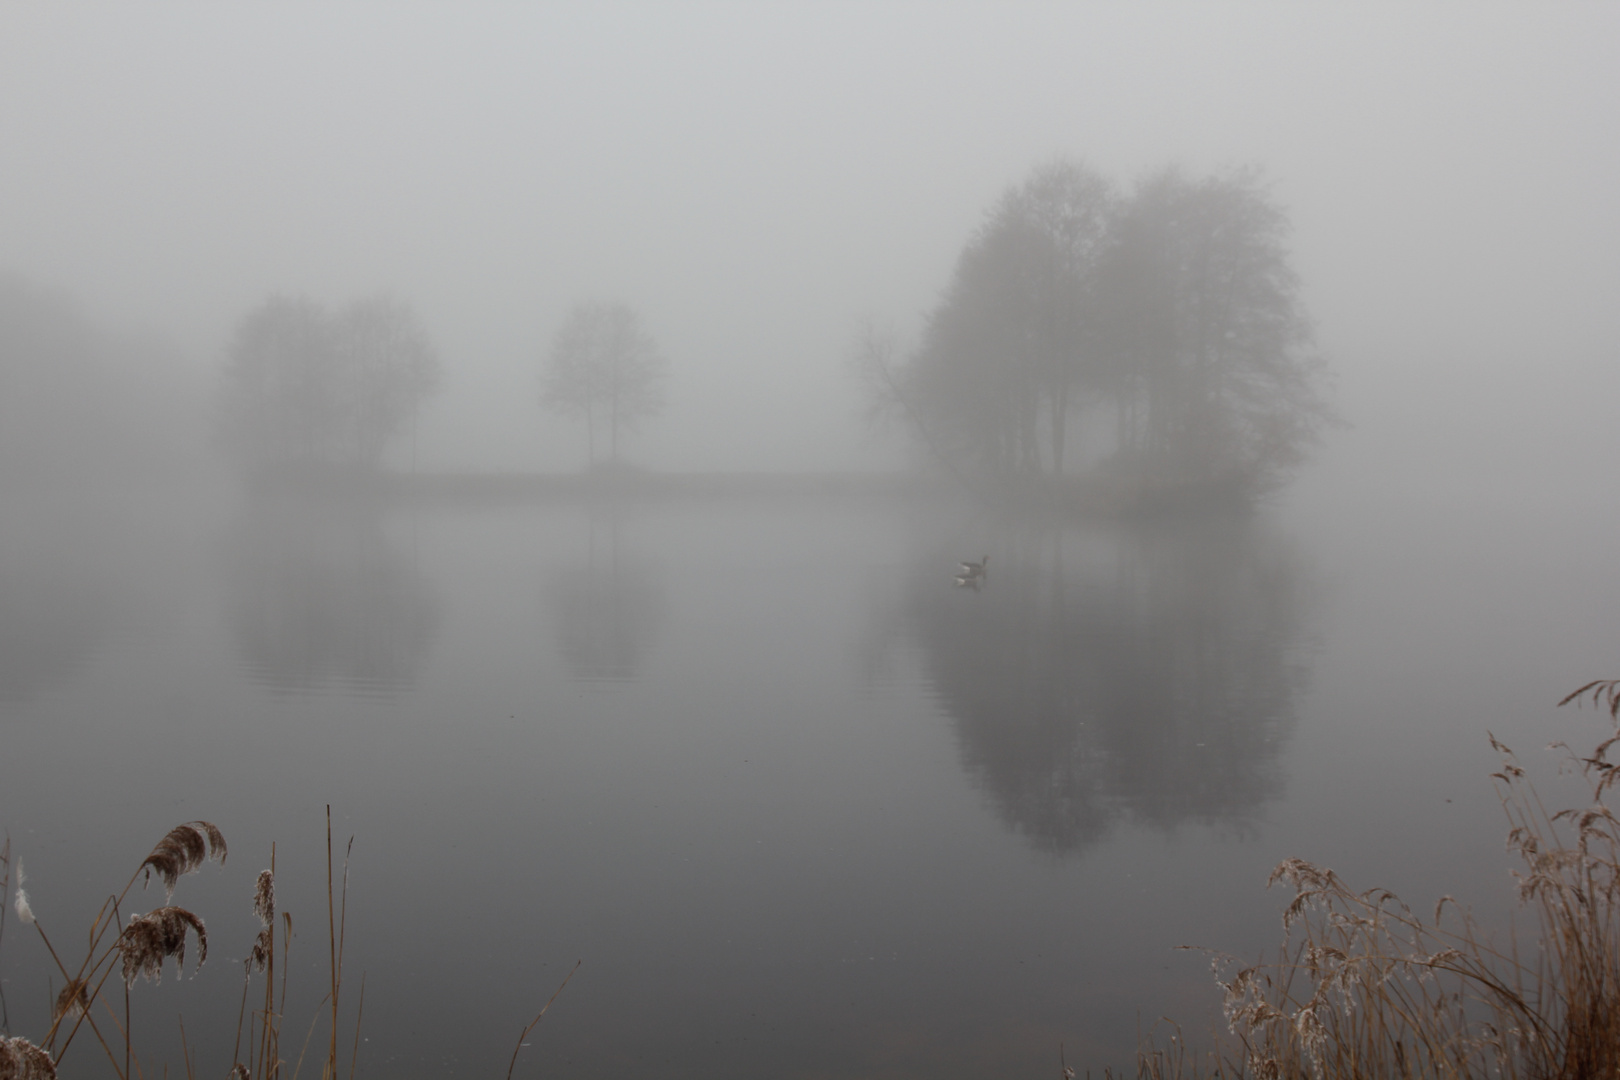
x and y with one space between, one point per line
974 569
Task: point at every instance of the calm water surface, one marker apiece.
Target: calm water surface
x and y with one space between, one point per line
802 807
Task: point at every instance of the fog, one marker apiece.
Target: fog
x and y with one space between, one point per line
753 180
810 795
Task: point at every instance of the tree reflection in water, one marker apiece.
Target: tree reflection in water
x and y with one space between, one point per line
1148 674
608 611
320 598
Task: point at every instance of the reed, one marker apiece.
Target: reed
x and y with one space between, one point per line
22 1060
1366 987
140 946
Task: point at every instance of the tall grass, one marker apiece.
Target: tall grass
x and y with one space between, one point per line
1367 987
139 947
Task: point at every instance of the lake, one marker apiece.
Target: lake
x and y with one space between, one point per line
802 806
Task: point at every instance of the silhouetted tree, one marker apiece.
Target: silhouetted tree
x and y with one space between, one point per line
1215 377
602 362
1015 344
305 387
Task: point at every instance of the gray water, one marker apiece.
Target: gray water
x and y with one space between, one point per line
800 805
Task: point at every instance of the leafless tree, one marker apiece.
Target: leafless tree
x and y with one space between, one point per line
603 364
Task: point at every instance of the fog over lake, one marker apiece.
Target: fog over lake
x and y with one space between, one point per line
312 497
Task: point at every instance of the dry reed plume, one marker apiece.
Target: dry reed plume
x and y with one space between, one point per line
264 907
22 1060
150 939
140 947
74 1000
183 851
1368 988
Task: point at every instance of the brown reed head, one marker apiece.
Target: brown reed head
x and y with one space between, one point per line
183 851
151 938
264 907
259 957
22 1060
264 898
74 1000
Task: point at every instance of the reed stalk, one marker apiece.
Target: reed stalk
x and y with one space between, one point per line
536 1020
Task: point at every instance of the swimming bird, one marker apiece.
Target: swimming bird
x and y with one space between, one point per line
974 569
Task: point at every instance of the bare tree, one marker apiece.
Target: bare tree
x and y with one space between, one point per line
602 363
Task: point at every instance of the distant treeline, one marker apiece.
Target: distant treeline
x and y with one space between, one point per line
1090 341
1154 338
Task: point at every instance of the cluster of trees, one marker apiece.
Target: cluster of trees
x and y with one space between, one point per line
307 388
1157 334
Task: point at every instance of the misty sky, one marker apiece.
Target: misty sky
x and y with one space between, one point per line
753 177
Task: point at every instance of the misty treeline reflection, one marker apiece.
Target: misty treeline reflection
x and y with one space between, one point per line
607 608
1148 674
321 598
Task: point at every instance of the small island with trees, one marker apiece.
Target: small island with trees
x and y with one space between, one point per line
1118 349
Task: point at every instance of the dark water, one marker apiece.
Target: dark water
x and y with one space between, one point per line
801 806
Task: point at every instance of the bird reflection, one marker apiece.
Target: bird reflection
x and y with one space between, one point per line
1148 674
971 574
320 598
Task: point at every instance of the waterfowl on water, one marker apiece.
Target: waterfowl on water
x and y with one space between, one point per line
974 569
968 581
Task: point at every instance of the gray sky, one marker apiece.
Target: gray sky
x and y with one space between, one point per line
754 176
